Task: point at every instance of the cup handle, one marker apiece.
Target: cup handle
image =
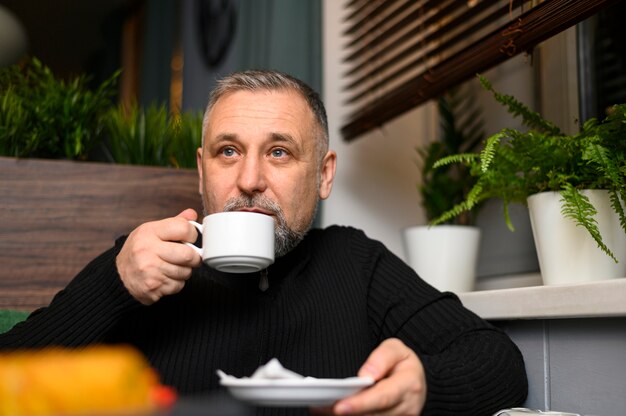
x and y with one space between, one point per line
199 227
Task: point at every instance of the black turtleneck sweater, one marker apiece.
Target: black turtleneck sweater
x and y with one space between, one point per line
330 302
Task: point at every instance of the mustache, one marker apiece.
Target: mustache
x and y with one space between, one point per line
285 237
255 201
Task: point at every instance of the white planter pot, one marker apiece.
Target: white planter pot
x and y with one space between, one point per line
445 256
566 252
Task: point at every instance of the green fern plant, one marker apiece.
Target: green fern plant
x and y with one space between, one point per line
461 131
513 165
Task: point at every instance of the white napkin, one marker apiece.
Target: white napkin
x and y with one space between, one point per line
273 370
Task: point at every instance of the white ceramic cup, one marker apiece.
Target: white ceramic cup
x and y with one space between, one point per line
236 242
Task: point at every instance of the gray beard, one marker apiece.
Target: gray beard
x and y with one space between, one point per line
285 238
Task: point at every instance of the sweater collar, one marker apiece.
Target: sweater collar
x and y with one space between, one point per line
283 267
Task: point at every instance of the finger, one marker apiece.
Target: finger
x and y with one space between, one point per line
178 254
401 383
175 229
163 287
171 286
384 396
189 214
383 359
175 272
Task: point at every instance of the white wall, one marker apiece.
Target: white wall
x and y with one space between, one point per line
375 186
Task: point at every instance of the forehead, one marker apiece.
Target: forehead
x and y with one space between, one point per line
260 108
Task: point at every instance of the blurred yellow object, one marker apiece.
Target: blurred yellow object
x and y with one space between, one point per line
92 380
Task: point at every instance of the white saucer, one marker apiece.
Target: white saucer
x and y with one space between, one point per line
238 264
302 392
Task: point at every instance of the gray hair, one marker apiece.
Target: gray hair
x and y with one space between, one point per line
270 80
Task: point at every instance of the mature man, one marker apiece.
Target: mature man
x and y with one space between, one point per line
334 304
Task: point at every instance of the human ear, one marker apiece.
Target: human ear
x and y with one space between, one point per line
199 166
327 174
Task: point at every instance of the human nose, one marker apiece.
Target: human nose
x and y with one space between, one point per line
251 178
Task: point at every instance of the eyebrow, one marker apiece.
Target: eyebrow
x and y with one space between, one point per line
274 137
286 138
225 137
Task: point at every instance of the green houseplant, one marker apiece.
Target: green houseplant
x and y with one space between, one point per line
153 136
513 165
43 116
442 188
446 256
47 117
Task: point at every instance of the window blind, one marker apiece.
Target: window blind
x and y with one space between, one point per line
402 53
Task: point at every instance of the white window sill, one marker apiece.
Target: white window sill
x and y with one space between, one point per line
598 299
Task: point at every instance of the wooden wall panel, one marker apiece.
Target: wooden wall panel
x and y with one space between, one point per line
55 216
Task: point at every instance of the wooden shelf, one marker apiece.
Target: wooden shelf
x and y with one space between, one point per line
598 299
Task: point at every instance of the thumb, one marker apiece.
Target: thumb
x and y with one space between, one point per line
188 214
383 359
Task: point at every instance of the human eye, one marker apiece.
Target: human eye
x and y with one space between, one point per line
279 153
227 151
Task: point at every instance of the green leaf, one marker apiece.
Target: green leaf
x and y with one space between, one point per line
153 136
578 208
49 117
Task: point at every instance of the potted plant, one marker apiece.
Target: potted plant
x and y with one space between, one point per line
581 175
446 255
